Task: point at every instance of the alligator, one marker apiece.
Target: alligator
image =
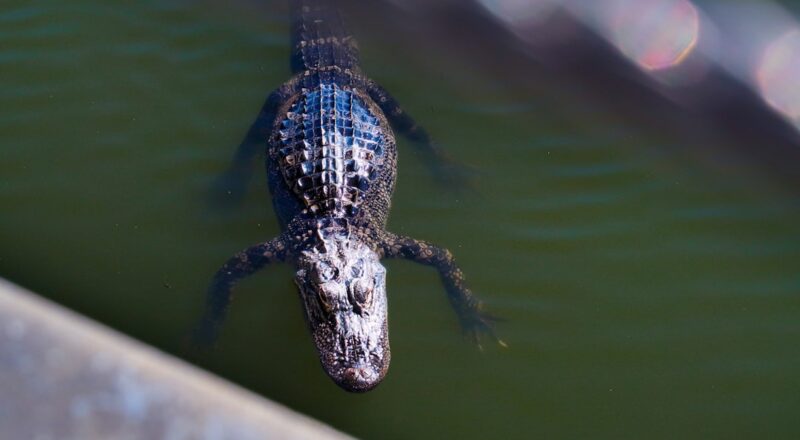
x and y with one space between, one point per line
331 168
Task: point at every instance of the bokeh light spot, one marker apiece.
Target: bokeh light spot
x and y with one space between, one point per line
656 34
778 75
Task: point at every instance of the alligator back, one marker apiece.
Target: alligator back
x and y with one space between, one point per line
331 149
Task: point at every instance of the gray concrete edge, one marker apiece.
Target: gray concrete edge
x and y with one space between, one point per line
63 376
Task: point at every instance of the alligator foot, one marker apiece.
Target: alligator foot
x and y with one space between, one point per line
478 324
475 321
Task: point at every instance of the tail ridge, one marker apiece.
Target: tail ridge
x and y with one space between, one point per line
319 37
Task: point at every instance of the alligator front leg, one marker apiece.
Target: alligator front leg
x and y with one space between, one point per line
220 293
475 321
442 166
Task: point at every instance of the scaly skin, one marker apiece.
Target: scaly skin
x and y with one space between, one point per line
331 168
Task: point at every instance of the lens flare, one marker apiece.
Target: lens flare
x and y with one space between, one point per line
778 75
655 34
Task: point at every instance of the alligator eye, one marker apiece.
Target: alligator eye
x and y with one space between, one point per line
357 269
360 296
325 272
325 298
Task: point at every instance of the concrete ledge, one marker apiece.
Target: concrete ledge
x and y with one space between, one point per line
63 376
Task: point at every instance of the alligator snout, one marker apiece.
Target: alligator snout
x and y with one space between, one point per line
361 378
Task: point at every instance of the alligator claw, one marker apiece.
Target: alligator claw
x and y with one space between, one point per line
481 324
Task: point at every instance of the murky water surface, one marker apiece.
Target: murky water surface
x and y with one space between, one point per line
647 294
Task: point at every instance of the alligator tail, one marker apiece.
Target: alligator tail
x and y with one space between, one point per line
319 37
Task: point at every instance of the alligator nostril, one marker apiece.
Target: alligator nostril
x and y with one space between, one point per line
356 374
359 378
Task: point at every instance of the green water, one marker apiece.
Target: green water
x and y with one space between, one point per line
647 294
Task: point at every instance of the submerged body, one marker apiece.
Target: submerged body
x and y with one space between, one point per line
331 166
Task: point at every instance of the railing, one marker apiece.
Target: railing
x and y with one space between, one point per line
63 376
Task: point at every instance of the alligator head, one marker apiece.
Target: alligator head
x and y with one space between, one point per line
343 287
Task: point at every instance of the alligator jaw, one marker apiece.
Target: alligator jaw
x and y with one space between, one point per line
355 363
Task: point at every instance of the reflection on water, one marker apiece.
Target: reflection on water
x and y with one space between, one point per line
646 295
